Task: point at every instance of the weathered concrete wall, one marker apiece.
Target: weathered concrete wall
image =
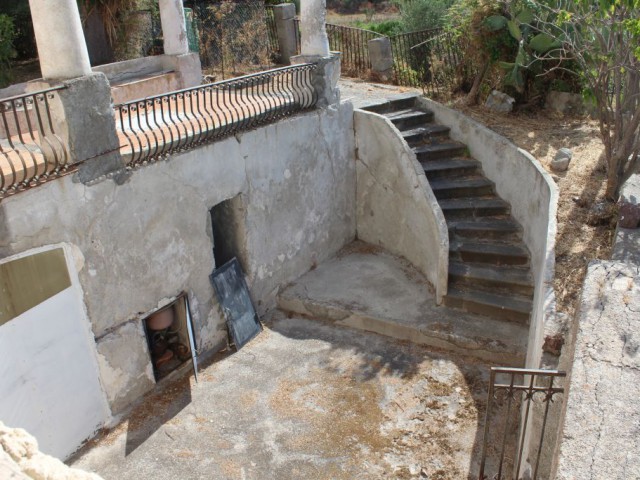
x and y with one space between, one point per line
521 181
396 207
149 239
601 434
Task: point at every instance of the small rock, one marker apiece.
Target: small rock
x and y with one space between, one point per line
562 159
414 469
601 213
499 102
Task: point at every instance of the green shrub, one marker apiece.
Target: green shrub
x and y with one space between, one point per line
423 14
386 27
7 52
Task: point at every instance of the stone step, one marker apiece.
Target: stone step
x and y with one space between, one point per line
436 151
457 187
450 166
487 228
496 306
402 103
509 279
473 207
494 253
408 118
419 135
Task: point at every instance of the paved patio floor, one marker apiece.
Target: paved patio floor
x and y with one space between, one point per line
305 399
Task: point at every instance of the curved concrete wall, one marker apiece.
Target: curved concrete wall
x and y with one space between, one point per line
533 195
396 208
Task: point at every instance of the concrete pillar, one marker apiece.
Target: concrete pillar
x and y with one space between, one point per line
314 39
61 46
174 30
381 57
284 16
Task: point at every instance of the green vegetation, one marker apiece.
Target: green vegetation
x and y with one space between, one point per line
423 14
385 27
7 51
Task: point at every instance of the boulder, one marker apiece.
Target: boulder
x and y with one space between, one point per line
499 102
629 203
562 159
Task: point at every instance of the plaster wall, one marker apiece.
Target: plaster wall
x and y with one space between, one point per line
149 239
396 207
49 380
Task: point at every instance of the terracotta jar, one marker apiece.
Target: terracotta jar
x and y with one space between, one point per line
161 319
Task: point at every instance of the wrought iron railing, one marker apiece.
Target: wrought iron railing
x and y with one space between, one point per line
353 43
157 126
427 59
514 394
31 151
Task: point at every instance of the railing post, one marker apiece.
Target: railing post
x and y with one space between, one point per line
284 16
324 78
381 58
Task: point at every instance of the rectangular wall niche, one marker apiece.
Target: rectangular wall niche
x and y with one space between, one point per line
168 335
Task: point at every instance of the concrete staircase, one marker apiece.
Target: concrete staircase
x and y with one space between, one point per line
489 270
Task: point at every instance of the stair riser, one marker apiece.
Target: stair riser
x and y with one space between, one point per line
463 192
451 172
471 212
488 310
407 123
425 138
489 258
491 286
484 233
439 154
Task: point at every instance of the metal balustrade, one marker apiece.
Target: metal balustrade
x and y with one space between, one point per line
514 395
153 127
31 151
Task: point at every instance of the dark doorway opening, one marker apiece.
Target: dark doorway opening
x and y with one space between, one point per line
228 230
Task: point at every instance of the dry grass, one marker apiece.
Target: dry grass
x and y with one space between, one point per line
580 187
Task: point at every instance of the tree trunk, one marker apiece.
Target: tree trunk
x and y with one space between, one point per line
472 96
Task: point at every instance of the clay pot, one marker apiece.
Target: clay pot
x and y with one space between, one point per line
160 320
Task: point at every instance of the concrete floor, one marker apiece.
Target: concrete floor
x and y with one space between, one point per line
305 399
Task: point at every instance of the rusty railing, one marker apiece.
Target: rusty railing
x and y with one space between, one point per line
353 43
514 394
157 126
31 151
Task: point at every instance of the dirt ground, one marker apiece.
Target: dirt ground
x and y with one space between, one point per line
306 399
577 242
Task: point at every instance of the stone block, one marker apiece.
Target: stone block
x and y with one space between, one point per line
284 16
565 103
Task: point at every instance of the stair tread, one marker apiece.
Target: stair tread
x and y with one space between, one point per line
406 113
501 274
509 301
449 164
439 147
489 247
459 182
472 202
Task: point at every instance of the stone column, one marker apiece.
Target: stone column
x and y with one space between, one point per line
174 30
61 46
284 16
381 57
314 39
